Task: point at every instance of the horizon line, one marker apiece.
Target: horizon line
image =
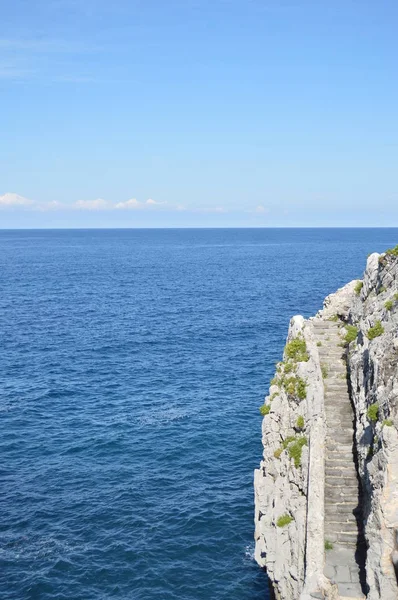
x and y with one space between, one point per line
197 228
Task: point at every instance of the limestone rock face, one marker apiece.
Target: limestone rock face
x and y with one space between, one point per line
281 486
373 368
289 485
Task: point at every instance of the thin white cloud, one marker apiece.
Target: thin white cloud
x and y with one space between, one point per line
10 200
134 204
13 201
98 204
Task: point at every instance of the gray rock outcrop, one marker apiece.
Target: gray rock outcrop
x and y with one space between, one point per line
326 492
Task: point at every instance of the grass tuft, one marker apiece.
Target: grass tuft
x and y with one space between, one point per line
351 335
295 450
325 370
328 545
358 287
392 251
388 422
264 409
375 331
297 350
284 520
373 412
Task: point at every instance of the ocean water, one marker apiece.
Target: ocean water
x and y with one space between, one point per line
132 366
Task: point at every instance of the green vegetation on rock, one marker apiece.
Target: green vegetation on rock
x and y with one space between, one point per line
328 545
300 422
278 452
288 440
334 318
325 370
284 520
375 331
351 335
358 287
388 304
264 409
392 251
297 350
301 388
388 422
373 412
295 450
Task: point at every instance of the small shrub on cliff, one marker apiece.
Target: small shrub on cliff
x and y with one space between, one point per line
358 287
389 304
351 335
373 412
334 318
375 331
264 409
284 520
301 389
289 367
388 422
278 452
295 450
392 251
396 297
297 350
319 344
288 440
300 422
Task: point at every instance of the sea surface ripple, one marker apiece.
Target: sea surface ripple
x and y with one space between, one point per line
132 364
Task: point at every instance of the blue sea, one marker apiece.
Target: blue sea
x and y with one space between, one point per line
132 366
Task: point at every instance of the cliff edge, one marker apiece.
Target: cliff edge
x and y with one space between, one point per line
326 492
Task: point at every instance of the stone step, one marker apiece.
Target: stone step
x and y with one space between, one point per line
337 405
349 481
341 529
347 430
344 435
345 469
337 447
339 409
340 417
339 414
338 496
339 463
341 438
332 516
342 537
336 387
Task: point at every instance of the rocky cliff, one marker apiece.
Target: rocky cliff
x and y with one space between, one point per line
326 492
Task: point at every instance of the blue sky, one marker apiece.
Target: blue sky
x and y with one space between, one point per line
173 113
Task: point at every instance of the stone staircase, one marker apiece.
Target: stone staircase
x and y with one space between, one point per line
344 564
